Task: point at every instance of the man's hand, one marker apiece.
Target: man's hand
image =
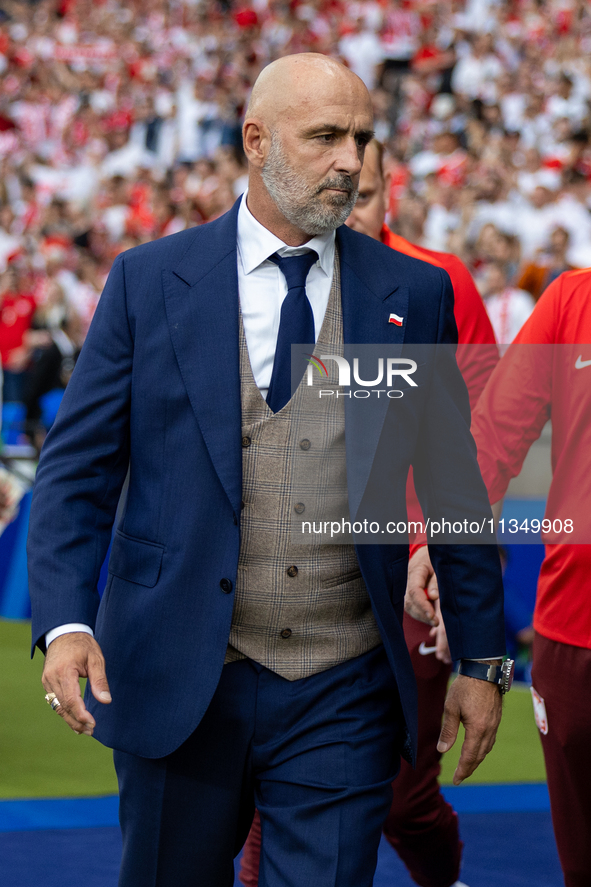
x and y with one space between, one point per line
439 635
422 600
70 657
421 588
477 704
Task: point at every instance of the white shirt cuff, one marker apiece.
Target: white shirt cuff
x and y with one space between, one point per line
66 629
500 658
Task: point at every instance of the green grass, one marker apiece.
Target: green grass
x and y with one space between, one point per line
40 757
517 753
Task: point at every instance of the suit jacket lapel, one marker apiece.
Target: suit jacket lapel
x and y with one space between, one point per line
201 296
370 293
202 306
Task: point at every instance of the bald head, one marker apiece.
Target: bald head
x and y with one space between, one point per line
306 127
286 83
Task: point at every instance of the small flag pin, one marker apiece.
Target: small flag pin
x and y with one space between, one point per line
395 318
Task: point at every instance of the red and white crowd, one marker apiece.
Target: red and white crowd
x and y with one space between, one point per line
120 122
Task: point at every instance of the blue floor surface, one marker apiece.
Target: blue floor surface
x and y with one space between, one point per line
54 813
512 850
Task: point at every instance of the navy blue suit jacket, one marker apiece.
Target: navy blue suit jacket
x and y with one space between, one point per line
157 389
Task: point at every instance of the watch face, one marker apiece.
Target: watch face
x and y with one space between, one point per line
507 670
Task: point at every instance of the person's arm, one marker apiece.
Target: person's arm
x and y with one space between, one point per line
80 476
477 355
509 416
515 405
449 485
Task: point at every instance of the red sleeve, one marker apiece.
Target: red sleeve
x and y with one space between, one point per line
515 405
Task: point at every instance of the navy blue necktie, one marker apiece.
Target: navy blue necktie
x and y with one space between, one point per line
296 326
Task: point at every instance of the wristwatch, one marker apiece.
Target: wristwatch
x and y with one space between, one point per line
501 675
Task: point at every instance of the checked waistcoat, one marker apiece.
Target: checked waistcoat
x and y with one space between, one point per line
301 605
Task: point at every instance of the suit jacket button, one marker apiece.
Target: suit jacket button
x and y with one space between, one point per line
299 508
226 586
246 441
292 572
286 633
305 444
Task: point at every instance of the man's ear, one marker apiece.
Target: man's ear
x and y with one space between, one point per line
387 184
256 139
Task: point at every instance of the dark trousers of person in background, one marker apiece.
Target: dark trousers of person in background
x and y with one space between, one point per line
44 375
421 826
12 389
561 675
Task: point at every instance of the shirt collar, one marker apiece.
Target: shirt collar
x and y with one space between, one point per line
256 243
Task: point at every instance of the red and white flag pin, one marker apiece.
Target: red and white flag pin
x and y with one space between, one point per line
395 318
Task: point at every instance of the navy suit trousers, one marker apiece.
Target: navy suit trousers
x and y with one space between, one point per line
316 756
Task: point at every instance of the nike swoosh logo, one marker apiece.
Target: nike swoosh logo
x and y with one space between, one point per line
581 364
424 650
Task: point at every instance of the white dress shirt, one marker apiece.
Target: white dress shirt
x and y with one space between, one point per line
261 290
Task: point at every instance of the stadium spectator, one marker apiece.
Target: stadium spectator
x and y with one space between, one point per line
548 264
17 308
507 306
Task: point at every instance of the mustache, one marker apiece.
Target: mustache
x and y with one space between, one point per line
341 183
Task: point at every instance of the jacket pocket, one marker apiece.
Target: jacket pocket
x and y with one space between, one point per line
135 560
342 579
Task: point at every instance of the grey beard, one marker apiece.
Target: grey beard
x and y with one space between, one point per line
300 203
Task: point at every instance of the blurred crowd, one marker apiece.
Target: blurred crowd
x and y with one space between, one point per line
120 122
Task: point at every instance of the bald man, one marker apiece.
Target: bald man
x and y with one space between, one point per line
230 661
421 826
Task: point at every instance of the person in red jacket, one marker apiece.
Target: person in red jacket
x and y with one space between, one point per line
16 313
547 372
422 827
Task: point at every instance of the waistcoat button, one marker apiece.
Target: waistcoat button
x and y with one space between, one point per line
300 508
246 441
286 633
305 444
292 571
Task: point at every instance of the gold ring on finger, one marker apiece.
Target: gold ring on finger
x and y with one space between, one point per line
52 700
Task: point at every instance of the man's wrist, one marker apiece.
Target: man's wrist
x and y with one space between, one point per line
416 546
67 628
